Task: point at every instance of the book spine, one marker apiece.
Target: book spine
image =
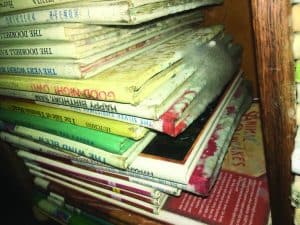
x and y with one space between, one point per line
210 162
69 182
97 13
104 179
153 124
40 68
14 5
296 17
32 33
95 154
75 118
103 184
296 45
115 144
104 106
40 50
297 71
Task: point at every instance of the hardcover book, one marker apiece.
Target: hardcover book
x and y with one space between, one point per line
101 12
121 83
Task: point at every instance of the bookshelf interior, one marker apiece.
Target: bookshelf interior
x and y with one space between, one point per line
262 27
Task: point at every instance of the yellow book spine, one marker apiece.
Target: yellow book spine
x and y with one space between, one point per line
80 119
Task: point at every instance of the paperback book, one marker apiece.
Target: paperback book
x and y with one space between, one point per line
216 58
76 118
82 151
101 12
110 39
121 83
14 121
113 197
236 199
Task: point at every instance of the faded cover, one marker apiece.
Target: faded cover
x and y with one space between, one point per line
121 83
246 151
209 164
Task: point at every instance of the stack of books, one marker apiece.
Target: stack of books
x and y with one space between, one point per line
122 107
295 155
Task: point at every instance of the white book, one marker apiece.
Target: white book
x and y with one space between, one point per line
102 12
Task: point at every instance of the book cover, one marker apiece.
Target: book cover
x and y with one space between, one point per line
101 12
193 101
79 119
121 83
84 152
246 150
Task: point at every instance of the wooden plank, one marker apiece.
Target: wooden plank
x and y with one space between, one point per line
277 94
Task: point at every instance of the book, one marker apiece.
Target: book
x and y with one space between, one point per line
295 192
62 213
209 163
101 12
191 103
246 151
297 216
14 5
62 196
297 71
79 119
152 107
154 197
296 154
295 17
236 199
116 198
110 39
10 121
85 152
121 83
296 45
